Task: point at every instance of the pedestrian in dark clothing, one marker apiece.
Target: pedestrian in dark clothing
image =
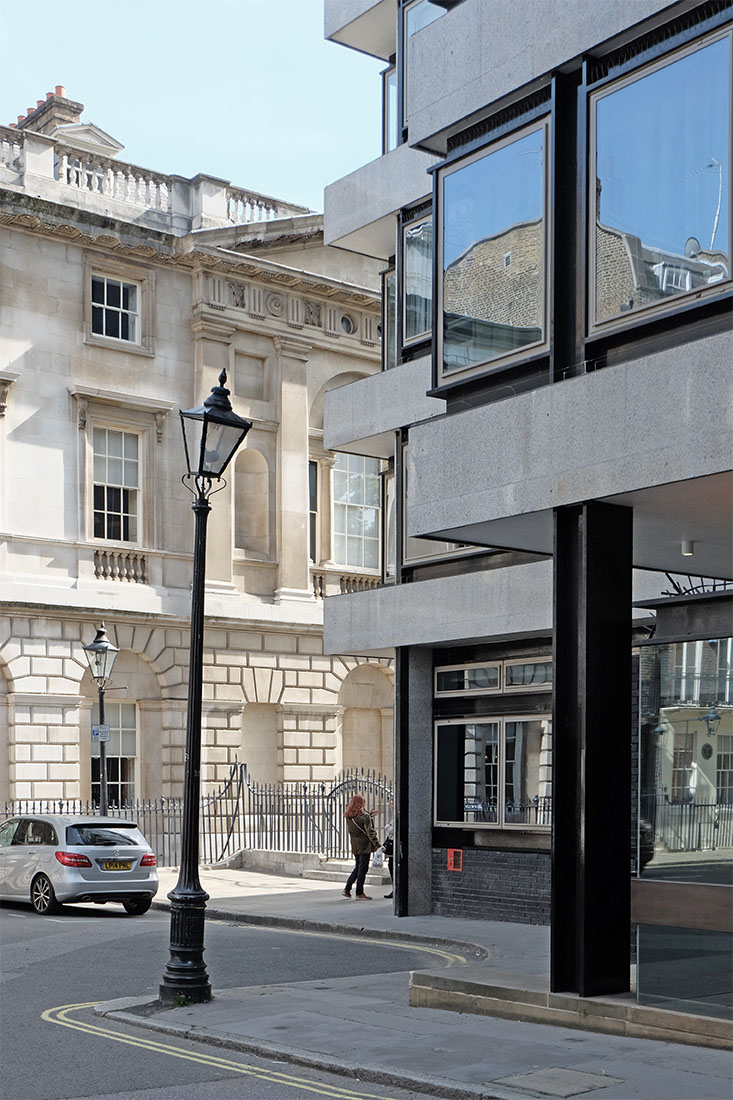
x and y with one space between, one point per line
364 841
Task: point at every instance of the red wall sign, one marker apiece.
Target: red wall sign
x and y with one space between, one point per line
455 859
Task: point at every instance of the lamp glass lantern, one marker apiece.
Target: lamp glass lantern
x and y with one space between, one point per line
101 655
212 433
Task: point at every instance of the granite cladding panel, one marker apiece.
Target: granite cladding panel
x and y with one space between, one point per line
504 886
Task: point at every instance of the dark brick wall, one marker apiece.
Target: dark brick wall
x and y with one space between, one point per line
507 886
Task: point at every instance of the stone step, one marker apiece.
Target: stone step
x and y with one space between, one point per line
474 989
339 871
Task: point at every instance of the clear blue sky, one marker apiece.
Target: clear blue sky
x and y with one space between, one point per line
247 90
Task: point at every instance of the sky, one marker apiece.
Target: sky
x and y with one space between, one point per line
244 90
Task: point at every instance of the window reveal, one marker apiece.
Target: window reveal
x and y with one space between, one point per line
417 280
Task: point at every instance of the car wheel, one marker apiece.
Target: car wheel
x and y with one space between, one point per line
43 898
138 907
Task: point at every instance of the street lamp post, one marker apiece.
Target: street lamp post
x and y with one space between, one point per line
211 435
101 655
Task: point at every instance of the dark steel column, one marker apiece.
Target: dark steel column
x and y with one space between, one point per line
401 866
185 973
590 935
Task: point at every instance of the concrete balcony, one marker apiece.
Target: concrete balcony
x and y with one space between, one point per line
504 603
502 47
362 418
369 26
360 209
653 434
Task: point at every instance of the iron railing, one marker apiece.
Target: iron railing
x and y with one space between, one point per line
689 826
241 814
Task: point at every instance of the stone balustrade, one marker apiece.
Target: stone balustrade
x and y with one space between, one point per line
115 188
105 176
120 565
335 582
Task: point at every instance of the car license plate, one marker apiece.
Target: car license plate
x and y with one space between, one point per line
116 865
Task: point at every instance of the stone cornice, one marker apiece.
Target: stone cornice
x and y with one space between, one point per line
118 238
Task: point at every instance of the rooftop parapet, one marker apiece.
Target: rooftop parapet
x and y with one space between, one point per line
64 173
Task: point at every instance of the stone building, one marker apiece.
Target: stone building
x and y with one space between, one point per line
123 295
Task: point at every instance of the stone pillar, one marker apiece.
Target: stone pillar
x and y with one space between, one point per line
413 781
292 471
212 355
325 509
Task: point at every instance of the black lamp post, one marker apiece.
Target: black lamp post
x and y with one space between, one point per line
101 655
211 435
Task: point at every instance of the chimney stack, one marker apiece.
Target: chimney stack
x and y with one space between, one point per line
49 113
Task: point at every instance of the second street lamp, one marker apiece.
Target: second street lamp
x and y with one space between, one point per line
211 435
101 655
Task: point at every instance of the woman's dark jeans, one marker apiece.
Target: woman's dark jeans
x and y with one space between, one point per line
359 873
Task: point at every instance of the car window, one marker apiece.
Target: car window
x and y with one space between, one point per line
7 832
40 832
103 835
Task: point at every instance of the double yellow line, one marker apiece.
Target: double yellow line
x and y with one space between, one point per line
63 1015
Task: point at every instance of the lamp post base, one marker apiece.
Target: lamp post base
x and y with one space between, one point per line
185 974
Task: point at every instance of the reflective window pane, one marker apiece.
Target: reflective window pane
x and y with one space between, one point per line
417 280
356 511
493 254
661 193
527 779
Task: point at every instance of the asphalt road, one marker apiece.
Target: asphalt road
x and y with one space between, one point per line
89 954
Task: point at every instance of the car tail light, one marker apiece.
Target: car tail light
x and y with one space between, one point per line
148 860
73 859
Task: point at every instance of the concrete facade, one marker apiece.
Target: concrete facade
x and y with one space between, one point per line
216 278
559 479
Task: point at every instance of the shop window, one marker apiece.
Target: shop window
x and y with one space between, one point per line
660 185
495 772
492 206
116 484
121 754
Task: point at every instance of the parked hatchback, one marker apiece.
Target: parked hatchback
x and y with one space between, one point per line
48 860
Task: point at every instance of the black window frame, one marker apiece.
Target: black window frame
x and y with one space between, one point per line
410 348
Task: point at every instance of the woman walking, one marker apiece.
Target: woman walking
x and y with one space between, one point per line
364 841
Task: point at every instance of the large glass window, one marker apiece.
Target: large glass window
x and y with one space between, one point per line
493 253
417 280
660 189
356 511
493 772
121 752
116 481
686 765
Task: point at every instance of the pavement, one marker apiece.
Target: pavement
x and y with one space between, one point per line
368 1030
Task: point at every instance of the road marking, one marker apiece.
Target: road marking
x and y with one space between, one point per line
62 1015
451 958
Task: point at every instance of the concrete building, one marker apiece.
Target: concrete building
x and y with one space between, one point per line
123 295
555 407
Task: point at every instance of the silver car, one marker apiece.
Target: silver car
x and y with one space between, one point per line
48 860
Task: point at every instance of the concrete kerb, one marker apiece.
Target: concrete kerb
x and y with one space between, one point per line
303 924
432 1086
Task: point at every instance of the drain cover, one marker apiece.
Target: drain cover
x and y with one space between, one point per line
559 1082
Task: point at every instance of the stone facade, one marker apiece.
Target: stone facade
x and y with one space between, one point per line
208 277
